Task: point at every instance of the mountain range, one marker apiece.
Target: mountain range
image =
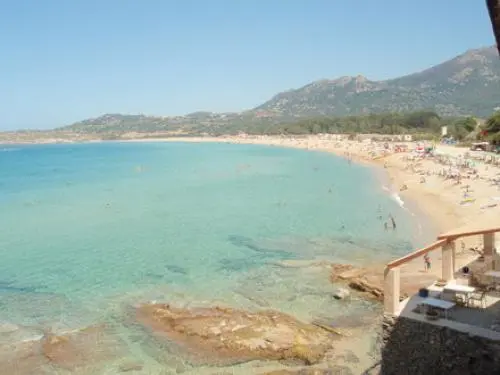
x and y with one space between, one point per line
468 84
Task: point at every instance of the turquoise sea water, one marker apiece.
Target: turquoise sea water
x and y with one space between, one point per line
88 229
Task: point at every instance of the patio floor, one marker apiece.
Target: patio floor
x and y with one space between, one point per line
481 321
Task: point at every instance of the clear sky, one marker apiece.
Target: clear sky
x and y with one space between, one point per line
62 61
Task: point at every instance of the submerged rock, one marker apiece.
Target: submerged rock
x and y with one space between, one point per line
341 293
225 336
130 366
79 350
22 358
82 348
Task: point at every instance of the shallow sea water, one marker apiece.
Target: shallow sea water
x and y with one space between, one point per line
88 230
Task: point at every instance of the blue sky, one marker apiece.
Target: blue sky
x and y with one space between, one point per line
62 61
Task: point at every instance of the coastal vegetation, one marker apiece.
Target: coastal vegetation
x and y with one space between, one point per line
492 128
384 123
424 124
427 124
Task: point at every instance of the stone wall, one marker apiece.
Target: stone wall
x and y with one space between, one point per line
412 347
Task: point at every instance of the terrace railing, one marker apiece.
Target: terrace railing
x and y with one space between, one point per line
447 243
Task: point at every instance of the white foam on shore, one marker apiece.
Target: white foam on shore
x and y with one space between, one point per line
398 199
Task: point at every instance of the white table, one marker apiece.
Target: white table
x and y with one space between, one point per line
460 288
438 303
495 274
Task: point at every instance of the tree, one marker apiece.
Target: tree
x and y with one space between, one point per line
492 125
462 127
468 123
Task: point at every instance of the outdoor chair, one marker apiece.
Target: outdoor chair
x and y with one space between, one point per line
478 297
460 300
493 287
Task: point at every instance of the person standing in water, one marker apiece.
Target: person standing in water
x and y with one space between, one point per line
427 261
392 221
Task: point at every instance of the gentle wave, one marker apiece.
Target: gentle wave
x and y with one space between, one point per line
398 199
395 196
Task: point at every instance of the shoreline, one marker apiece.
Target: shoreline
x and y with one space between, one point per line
421 204
436 202
420 194
390 177
432 204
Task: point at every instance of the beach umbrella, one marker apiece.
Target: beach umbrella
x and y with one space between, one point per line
494 12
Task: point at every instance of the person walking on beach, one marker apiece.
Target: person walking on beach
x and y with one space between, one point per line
427 261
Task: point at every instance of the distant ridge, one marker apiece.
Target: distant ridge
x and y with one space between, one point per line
468 84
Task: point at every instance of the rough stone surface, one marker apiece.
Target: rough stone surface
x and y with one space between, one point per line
80 349
413 347
368 281
76 351
341 293
130 366
22 358
224 336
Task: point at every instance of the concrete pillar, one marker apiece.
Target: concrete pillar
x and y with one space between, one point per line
495 262
448 261
454 257
391 290
488 251
489 243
